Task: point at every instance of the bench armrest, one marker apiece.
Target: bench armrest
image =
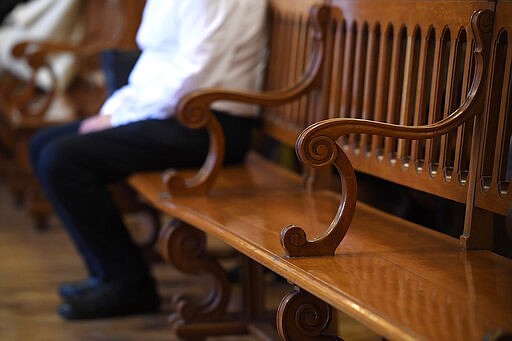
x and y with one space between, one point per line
317 147
37 54
194 111
33 51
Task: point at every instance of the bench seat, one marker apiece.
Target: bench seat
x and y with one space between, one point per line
402 280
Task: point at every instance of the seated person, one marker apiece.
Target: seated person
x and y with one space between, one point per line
41 20
185 45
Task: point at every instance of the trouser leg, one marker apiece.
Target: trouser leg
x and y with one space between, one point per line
75 170
38 143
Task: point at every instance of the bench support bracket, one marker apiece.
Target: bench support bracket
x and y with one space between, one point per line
302 316
184 247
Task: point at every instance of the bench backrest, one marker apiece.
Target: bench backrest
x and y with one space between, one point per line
408 63
493 174
401 63
412 63
112 22
290 56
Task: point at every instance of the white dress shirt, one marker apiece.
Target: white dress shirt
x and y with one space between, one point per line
191 44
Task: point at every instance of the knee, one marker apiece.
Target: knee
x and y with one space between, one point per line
44 137
51 161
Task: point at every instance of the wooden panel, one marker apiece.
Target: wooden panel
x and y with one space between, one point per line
113 22
290 51
408 63
493 187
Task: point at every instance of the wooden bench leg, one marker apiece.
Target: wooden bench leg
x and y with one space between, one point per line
260 320
184 247
302 316
37 205
15 183
252 288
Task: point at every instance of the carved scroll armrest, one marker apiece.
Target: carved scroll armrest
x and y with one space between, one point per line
317 147
194 110
37 54
34 51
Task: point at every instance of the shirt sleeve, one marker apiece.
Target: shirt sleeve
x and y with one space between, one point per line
163 74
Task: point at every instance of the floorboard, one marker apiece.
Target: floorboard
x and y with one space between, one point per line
33 263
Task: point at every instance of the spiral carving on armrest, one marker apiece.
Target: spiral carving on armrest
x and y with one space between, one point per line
37 54
37 59
198 116
317 147
194 111
318 151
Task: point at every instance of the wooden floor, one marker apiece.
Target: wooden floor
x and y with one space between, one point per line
32 264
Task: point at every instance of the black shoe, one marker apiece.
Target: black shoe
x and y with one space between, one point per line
70 289
111 299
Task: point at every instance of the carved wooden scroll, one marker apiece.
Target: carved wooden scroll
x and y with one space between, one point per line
37 56
317 147
107 24
184 247
302 316
38 61
194 110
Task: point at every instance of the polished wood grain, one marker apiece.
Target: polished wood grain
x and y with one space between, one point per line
416 56
402 280
317 145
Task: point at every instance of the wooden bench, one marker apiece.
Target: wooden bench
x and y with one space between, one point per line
413 92
24 108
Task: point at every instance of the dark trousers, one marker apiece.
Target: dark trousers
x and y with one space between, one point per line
75 171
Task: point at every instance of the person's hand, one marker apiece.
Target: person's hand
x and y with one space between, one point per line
95 123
